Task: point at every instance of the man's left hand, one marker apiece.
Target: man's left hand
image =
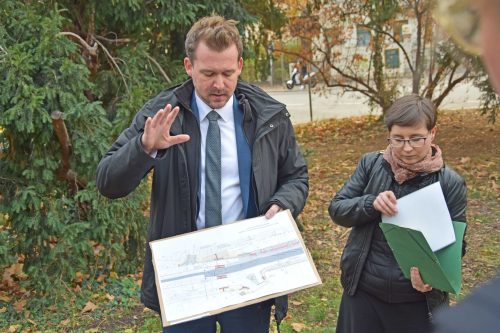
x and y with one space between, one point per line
417 282
273 210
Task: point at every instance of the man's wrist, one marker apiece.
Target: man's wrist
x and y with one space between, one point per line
147 150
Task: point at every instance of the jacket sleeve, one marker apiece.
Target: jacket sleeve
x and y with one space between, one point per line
293 179
455 195
121 169
350 206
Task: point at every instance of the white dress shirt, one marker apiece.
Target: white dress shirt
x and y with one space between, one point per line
232 204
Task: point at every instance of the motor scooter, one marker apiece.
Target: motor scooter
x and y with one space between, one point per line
295 80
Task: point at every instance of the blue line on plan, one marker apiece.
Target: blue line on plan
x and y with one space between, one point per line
242 265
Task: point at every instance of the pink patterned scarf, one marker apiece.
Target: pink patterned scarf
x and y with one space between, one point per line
433 161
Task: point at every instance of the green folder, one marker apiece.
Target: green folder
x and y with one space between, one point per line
441 269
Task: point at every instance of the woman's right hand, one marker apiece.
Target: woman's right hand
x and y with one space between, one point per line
385 203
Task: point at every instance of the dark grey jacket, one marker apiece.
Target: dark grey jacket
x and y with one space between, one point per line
352 207
279 170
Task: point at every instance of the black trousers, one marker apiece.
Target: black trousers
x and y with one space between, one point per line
253 318
364 313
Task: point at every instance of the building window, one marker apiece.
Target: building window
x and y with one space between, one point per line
363 36
397 29
392 58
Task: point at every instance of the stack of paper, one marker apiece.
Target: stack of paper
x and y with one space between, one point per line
425 210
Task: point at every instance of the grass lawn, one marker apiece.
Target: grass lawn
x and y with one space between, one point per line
332 149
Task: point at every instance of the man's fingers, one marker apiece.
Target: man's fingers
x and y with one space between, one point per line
181 138
170 117
273 210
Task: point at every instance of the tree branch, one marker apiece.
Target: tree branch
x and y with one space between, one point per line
429 89
451 85
153 60
114 40
64 171
114 63
91 49
393 38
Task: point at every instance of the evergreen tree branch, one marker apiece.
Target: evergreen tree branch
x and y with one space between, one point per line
64 171
153 60
91 49
114 63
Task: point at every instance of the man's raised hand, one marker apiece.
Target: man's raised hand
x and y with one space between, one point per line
156 134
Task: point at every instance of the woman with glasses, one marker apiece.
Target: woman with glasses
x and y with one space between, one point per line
377 297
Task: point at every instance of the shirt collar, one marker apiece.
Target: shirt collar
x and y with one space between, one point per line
225 112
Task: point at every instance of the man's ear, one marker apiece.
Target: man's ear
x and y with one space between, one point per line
240 64
188 66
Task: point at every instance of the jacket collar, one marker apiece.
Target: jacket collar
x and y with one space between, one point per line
263 107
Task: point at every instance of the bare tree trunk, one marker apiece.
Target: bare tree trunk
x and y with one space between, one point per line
417 74
378 72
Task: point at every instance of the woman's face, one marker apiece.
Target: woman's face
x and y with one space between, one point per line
408 136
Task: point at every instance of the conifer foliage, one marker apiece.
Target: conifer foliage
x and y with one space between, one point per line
73 74
51 137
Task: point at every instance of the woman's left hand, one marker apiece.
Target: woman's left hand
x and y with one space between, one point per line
417 282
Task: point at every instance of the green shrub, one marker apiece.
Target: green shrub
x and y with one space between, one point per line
51 216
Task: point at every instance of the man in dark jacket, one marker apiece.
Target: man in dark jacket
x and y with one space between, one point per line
222 150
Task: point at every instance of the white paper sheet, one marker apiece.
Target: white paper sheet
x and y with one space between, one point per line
205 272
425 210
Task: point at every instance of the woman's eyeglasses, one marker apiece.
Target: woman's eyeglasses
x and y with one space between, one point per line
413 142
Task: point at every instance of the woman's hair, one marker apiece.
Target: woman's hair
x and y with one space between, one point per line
411 110
216 32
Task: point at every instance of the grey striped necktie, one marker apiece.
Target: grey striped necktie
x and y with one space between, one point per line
213 204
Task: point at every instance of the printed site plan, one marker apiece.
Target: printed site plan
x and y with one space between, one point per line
222 268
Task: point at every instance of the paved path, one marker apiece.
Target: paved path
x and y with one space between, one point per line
337 105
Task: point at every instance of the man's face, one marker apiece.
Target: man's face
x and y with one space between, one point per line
214 74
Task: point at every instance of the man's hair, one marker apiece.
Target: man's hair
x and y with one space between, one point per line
216 32
411 110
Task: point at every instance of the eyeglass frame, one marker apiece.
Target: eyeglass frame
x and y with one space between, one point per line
407 140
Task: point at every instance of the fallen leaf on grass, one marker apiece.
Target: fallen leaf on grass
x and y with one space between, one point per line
13 328
5 298
109 297
3 309
89 307
297 302
298 327
65 322
19 305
